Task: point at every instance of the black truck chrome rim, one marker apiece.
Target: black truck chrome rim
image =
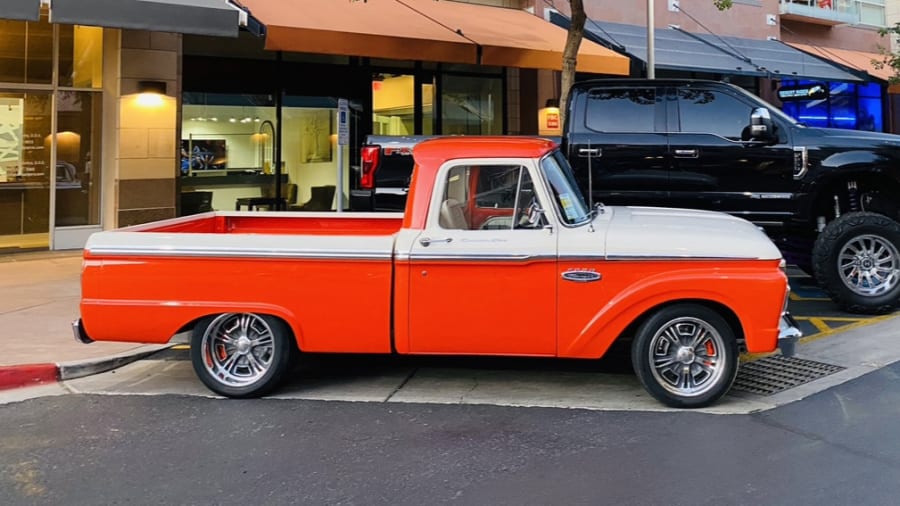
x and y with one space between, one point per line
869 265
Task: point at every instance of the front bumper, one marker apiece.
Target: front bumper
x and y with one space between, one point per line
80 334
788 335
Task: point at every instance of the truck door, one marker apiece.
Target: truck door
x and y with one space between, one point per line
482 277
619 131
714 164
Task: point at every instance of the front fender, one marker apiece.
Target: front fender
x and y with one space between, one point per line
753 296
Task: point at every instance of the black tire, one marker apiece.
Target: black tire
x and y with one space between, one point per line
857 263
706 350
242 355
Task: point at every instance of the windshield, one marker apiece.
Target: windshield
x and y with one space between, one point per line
568 198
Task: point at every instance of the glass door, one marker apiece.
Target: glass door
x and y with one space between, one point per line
25 146
77 178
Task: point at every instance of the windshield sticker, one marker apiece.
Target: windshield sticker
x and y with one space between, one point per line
566 202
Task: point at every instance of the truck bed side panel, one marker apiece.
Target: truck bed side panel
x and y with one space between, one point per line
145 287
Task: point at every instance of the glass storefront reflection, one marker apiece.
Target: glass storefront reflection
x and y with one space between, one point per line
472 105
228 153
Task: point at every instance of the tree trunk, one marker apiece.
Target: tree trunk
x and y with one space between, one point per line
570 55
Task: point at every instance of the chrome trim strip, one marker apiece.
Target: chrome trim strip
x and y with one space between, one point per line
644 258
230 252
392 191
647 258
772 196
477 257
803 151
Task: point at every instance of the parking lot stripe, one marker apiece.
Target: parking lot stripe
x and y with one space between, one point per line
799 298
819 324
827 331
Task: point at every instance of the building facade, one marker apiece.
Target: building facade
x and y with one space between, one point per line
110 118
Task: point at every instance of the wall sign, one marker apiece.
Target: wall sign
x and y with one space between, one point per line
813 91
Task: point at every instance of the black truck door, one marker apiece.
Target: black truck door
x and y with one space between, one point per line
618 132
716 166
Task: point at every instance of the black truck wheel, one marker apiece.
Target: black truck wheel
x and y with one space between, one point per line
856 261
241 355
685 355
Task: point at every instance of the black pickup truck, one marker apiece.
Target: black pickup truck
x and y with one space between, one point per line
829 198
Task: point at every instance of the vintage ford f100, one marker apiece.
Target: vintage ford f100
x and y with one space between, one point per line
497 254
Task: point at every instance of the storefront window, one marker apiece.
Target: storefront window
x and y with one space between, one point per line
25 52
228 137
25 141
471 105
309 152
80 56
427 108
394 107
848 105
27 138
393 104
77 159
870 108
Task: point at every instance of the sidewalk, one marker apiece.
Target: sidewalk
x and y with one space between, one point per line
40 295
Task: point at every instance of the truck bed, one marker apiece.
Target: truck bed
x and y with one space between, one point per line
297 266
293 223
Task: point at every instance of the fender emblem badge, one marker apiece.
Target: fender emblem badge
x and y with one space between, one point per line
581 276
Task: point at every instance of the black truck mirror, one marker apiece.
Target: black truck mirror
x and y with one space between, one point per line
761 124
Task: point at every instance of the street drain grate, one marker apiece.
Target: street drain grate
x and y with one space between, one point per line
777 373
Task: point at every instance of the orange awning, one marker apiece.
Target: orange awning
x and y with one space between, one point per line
374 28
859 60
428 30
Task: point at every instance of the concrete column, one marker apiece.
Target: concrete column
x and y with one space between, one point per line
147 158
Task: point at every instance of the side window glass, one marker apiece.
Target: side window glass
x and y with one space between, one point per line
529 212
453 213
489 197
621 110
713 112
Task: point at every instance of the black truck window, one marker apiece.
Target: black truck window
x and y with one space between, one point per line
709 111
621 110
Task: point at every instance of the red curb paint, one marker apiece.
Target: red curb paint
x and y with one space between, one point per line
15 376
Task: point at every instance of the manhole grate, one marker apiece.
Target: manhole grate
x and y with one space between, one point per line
777 373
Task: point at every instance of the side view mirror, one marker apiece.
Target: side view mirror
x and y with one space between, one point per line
761 127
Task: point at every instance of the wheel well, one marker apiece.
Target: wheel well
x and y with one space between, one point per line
189 326
724 311
873 192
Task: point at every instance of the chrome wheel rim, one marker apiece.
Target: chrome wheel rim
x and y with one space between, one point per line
686 357
238 349
869 265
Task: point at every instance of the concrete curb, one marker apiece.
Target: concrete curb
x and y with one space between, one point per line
28 375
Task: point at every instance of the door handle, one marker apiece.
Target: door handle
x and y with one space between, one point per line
589 152
687 153
426 241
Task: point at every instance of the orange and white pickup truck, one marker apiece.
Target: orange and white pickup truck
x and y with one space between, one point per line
497 254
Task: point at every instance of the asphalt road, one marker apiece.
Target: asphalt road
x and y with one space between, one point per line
837 447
